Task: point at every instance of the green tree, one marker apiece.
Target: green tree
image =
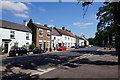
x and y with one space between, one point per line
91 41
109 15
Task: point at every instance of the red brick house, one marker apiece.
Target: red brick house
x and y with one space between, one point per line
41 35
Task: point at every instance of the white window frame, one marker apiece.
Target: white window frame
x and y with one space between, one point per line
47 33
42 32
27 35
12 34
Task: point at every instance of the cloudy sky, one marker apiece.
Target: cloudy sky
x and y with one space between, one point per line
68 14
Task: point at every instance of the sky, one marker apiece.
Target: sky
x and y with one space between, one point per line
67 14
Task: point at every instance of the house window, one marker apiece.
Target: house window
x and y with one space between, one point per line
68 38
40 32
48 44
65 38
27 45
65 44
54 38
68 44
27 36
12 34
48 33
40 44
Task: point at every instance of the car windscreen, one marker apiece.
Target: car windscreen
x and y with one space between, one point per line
12 49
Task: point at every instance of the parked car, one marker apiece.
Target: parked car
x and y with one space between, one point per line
90 45
38 50
77 47
61 48
18 51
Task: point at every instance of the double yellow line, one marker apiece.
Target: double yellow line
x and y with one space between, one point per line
81 57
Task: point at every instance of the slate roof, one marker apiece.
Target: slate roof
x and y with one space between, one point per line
41 26
14 26
62 32
81 38
54 32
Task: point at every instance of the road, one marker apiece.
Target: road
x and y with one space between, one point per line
51 60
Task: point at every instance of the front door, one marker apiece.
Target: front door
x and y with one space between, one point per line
44 45
60 45
6 47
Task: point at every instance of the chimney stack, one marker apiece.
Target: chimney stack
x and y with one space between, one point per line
31 21
45 25
63 28
25 22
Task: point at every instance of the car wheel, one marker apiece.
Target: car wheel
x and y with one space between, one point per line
16 54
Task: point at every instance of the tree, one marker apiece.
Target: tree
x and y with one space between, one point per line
109 15
91 41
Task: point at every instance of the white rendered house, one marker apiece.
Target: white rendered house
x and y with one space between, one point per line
80 41
61 37
13 33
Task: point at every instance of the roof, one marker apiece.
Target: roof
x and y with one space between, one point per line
81 38
41 26
70 34
62 32
14 26
54 32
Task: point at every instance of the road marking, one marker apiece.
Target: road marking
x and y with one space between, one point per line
81 57
59 65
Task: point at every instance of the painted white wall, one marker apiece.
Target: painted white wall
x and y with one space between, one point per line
81 42
20 37
68 42
87 42
58 39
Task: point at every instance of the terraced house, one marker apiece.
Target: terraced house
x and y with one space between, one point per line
61 37
41 35
14 34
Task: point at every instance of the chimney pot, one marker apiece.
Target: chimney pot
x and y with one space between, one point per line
45 25
63 28
25 22
31 20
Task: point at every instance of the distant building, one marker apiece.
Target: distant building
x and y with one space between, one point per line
13 33
61 37
80 41
41 35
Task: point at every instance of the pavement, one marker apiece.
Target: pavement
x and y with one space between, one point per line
75 63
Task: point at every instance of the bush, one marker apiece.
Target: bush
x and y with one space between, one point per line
31 46
1 49
24 46
86 45
14 46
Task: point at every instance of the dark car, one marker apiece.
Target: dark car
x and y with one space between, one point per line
18 51
77 47
61 48
38 50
